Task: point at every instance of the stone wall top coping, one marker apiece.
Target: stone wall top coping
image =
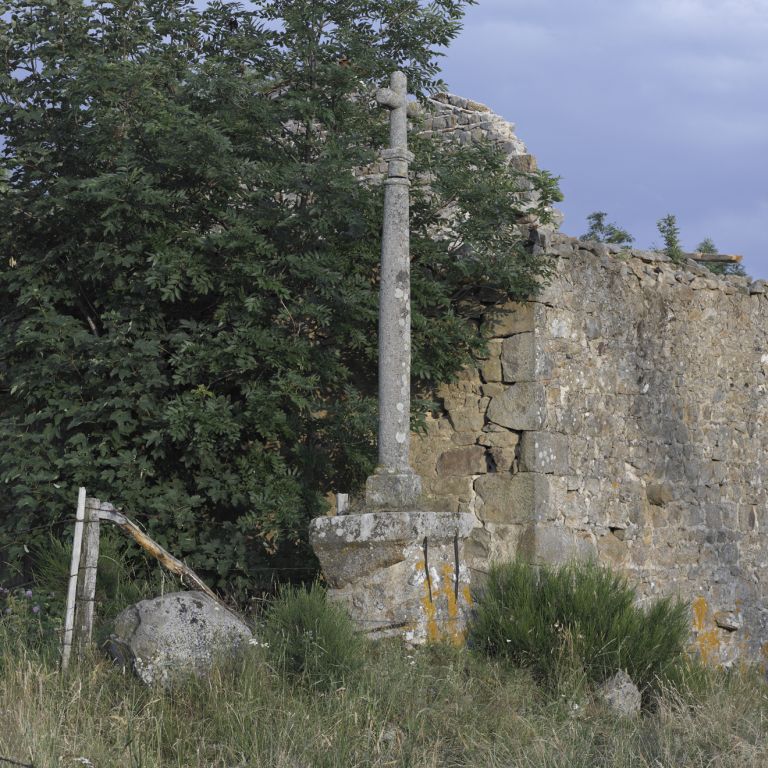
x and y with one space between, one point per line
565 246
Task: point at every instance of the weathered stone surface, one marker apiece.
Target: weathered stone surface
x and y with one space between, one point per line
490 367
463 461
522 406
518 358
621 694
518 498
466 409
513 317
167 638
659 494
397 573
555 545
613 550
392 489
655 374
545 452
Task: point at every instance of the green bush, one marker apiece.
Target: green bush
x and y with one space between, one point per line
579 616
311 638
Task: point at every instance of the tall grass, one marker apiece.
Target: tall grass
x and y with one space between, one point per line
312 639
313 696
428 708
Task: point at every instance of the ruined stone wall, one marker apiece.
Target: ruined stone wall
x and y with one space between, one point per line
622 414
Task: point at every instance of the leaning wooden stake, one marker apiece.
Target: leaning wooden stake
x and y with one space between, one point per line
74 570
107 512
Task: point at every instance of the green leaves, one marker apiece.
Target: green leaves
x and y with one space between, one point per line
188 260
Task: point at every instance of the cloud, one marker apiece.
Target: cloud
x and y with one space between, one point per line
644 106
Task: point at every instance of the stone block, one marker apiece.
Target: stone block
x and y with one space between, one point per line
478 546
613 550
512 317
466 410
659 494
463 461
460 487
555 545
502 459
490 367
505 541
523 163
518 358
520 498
620 694
522 406
496 436
545 452
388 489
464 438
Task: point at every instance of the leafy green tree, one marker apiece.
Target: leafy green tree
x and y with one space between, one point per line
708 246
605 233
188 260
670 233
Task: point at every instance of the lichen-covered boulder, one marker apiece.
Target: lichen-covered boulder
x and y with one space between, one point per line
179 634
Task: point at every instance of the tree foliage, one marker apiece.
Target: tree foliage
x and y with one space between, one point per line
604 232
708 246
670 233
188 260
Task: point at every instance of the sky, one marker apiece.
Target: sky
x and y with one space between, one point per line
642 107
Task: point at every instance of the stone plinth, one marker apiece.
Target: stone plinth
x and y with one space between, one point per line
398 573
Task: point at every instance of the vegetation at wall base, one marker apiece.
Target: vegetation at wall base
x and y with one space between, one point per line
578 618
188 263
311 638
426 708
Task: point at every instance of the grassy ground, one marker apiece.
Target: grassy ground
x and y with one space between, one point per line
435 707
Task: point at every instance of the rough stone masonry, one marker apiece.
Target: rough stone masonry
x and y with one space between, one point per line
620 414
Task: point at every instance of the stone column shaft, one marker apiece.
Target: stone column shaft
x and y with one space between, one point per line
395 484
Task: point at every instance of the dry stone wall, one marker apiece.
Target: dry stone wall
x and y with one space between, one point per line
620 415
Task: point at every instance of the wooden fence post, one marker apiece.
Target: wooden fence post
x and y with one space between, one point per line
74 570
81 593
86 594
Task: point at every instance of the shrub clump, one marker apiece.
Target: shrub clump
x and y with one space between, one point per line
582 616
312 639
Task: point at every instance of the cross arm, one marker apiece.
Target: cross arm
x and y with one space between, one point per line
386 97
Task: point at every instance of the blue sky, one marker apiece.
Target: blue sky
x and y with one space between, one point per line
643 107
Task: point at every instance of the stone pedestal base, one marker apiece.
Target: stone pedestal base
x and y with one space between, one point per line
392 489
398 573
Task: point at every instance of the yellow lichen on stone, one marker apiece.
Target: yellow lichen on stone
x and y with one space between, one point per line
707 640
430 608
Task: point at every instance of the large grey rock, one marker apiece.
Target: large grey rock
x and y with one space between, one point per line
621 694
173 636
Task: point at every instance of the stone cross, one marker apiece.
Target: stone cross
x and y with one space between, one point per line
394 484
